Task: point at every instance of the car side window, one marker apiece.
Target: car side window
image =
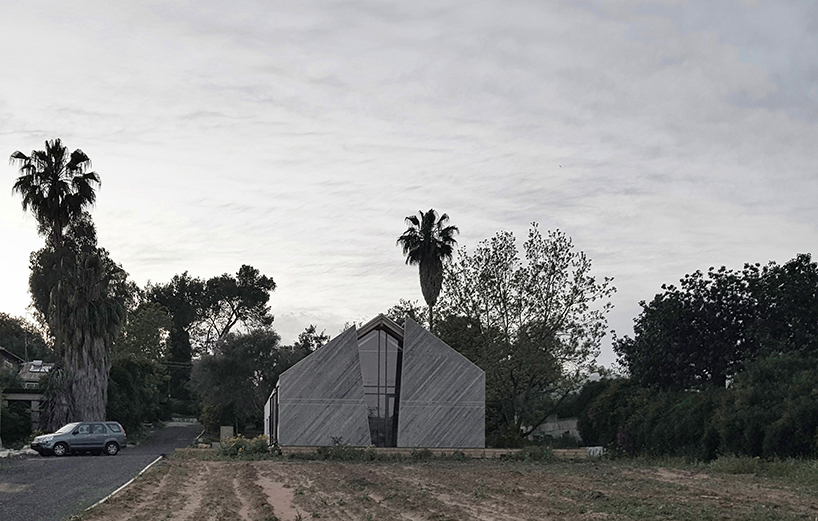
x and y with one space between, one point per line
114 427
84 429
98 428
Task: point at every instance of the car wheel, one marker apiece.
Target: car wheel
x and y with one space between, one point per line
60 449
111 448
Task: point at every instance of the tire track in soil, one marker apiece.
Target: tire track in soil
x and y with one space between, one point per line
193 494
152 490
220 501
279 497
172 497
244 509
253 493
132 499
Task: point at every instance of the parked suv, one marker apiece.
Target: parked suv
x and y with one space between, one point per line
94 437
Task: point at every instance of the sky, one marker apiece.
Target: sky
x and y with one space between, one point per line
663 136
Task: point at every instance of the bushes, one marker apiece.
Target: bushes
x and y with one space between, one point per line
245 447
15 423
771 410
629 418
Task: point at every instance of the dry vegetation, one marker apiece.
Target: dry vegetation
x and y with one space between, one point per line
191 488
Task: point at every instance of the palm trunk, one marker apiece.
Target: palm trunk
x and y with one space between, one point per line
80 388
89 371
431 281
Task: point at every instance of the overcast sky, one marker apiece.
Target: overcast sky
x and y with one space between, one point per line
662 136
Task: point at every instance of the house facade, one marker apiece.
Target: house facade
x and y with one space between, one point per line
380 385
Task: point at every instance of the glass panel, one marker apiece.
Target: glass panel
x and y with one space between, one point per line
379 353
368 354
392 360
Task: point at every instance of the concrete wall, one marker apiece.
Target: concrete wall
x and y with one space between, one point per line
442 394
322 397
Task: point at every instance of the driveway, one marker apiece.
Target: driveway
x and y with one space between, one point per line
50 489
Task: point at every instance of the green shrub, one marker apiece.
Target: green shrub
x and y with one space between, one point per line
211 417
772 409
240 446
15 423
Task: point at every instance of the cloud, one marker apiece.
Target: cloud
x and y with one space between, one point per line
663 136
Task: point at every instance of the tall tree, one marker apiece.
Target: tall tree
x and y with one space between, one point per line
534 324
428 242
55 185
183 298
788 302
76 288
204 313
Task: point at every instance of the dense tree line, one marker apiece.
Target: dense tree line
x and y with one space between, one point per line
121 352
770 410
725 363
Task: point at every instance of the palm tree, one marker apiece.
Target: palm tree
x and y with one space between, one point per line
84 309
428 242
55 185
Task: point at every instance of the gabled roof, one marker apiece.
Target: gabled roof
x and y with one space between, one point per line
382 322
11 357
34 371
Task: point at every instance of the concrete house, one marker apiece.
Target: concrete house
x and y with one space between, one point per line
381 385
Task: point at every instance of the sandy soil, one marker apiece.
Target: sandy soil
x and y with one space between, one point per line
189 489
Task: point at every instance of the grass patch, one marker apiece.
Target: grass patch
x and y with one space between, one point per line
793 471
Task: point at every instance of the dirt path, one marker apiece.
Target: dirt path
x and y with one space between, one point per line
289 490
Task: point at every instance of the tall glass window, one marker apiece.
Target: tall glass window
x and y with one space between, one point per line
380 354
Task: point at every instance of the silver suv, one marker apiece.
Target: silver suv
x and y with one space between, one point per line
94 437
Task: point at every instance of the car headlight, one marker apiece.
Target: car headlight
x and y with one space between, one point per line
46 439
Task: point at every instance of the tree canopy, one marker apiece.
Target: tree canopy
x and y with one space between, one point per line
534 324
55 185
704 331
203 314
232 299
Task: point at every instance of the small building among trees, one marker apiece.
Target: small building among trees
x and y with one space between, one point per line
382 385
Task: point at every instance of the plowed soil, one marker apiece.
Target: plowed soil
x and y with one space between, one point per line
190 489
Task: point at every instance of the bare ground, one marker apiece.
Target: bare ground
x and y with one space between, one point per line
482 490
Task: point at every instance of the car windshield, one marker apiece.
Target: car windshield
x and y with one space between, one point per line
66 428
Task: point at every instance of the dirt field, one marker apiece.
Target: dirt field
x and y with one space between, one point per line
190 489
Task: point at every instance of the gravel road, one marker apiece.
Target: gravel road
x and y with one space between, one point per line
50 489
